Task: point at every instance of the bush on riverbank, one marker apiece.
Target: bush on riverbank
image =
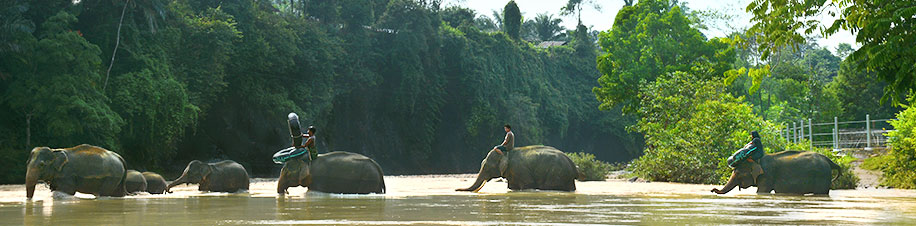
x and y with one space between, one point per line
691 128
900 168
593 169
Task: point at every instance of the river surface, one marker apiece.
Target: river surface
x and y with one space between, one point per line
431 200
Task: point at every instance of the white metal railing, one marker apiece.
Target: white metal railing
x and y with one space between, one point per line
855 134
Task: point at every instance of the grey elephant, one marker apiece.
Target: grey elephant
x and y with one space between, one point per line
334 172
155 184
789 172
224 176
134 182
529 167
84 168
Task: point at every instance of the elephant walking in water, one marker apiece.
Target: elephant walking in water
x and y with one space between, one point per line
155 184
790 172
334 172
135 182
84 168
529 167
225 176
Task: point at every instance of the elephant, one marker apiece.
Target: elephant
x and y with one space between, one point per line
84 168
224 176
155 184
530 167
335 172
134 182
788 172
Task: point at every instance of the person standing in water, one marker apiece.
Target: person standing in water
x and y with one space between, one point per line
309 143
508 143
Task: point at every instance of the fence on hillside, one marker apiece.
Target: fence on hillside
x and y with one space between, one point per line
867 134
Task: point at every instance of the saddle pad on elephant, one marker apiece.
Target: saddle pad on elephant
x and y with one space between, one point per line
295 130
288 153
740 156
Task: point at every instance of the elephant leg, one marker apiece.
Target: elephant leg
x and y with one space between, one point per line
764 185
67 186
204 185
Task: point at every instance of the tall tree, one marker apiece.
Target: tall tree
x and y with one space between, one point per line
648 40
883 27
576 6
512 20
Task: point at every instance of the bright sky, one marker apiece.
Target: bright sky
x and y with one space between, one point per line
604 19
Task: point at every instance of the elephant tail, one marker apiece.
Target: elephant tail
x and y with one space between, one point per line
834 166
122 188
381 175
579 175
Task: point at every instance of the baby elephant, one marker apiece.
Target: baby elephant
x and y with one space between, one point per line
225 176
155 184
134 182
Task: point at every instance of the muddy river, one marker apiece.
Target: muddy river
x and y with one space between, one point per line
431 200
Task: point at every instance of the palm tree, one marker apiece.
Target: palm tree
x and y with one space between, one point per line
547 27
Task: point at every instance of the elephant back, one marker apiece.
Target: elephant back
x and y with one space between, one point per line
135 182
345 172
234 173
91 160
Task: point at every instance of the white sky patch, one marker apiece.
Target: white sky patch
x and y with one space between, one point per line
603 20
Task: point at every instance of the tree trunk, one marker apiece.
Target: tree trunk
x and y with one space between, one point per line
28 130
117 43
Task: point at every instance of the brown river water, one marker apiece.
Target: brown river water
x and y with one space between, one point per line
431 200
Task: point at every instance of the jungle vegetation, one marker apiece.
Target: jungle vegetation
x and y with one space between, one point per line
425 88
419 87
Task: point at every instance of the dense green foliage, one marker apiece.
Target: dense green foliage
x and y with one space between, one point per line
417 88
859 93
691 127
649 40
593 169
900 168
882 27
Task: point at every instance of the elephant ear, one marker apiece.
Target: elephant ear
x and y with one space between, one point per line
205 172
60 159
756 171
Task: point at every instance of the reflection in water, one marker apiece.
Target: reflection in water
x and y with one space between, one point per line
428 200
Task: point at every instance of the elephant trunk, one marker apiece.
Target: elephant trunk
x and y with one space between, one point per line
180 180
31 178
732 183
481 180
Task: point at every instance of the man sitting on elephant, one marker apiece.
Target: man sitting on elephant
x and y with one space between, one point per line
508 143
752 152
309 143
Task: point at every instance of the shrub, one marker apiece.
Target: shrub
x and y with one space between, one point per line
900 170
592 168
876 163
691 128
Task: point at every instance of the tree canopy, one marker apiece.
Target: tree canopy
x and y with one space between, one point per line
882 27
648 40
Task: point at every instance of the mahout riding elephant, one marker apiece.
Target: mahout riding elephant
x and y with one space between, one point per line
789 172
529 167
84 168
134 182
155 184
335 172
224 176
